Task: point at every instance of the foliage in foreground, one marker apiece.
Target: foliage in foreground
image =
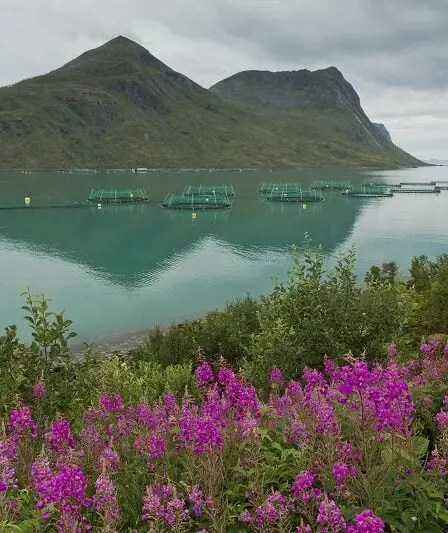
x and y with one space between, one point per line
350 449
138 441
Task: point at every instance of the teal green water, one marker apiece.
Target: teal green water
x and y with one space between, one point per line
124 268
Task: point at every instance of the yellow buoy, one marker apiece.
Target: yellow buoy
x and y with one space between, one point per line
193 216
27 200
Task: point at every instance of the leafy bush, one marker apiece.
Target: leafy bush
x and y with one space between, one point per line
223 333
340 450
318 313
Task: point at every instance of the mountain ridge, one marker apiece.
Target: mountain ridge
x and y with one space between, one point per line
117 105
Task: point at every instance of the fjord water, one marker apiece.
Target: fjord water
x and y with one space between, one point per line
121 269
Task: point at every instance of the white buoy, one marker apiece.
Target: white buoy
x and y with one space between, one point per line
27 200
304 206
99 206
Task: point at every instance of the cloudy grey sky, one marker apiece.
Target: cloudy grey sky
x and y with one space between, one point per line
394 52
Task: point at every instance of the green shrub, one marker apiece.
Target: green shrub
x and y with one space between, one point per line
317 313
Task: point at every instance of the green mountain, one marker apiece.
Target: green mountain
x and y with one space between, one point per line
319 111
119 106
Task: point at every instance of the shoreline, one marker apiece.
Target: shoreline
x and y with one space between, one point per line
121 342
125 341
217 169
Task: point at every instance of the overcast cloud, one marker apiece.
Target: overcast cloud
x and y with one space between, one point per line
394 52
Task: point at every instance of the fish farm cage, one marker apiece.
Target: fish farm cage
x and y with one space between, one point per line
222 190
268 188
427 183
368 192
114 196
332 185
196 202
298 195
417 189
381 185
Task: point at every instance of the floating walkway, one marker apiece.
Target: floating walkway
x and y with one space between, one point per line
32 207
197 202
332 185
114 196
222 190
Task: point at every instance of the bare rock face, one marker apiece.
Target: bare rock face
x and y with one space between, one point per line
383 130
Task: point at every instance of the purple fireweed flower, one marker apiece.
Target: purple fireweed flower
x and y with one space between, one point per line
200 504
196 498
64 492
163 503
225 376
68 485
366 522
21 422
204 374
59 439
154 445
8 448
198 432
342 472
298 433
442 419
157 446
437 463
105 501
39 391
330 517
170 402
445 401
249 428
392 350
273 509
7 474
294 389
240 399
109 459
111 403
276 376
427 401
280 405
302 485
329 367
326 419
314 379
245 517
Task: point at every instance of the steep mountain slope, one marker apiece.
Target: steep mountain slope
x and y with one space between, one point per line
119 106
320 109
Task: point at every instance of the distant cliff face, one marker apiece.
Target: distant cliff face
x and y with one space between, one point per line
289 89
119 106
383 130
